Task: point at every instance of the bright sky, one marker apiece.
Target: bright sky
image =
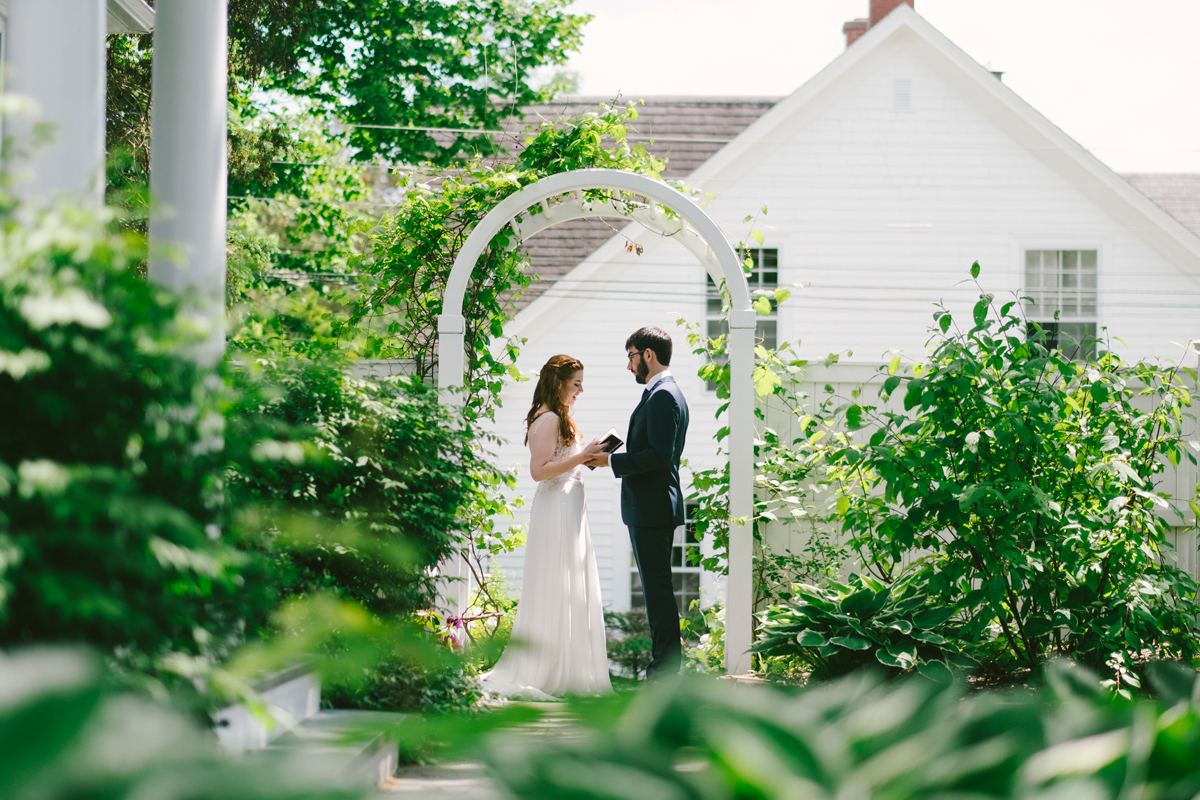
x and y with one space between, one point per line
1122 78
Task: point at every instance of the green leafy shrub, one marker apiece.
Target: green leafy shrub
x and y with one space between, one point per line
419 685
1028 479
862 737
374 503
110 491
703 631
840 627
629 644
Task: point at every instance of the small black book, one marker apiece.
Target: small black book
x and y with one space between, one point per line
610 441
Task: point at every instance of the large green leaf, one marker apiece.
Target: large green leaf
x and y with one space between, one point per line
866 603
929 636
850 642
807 638
933 617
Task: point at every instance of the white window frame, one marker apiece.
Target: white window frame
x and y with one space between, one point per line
1050 299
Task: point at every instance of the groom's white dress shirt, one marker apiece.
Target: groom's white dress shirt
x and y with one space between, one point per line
650 384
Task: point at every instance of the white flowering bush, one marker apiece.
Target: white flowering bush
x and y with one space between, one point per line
110 462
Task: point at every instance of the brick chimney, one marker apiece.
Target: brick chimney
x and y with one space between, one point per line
879 9
854 29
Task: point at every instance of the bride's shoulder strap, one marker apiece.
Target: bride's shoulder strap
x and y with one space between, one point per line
537 421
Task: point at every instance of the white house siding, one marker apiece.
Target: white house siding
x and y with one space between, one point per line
879 211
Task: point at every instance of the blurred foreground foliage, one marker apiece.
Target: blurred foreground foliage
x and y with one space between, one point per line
66 733
863 737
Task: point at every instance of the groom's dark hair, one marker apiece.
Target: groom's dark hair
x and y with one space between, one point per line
651 338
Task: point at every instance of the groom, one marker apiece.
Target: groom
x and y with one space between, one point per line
651 497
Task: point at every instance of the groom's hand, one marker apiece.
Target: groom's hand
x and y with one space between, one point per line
599 460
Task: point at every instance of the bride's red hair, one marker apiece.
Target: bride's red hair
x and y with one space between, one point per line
549 393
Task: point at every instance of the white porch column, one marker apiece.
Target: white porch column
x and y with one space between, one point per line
187 158
55 57
739 600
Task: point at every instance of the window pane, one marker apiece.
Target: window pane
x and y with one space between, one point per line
1033 260
1087 260
762 274
637 597
1087 304
765 331
687 589
1074 339
1070 260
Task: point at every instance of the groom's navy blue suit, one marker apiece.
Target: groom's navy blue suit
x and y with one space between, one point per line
652 507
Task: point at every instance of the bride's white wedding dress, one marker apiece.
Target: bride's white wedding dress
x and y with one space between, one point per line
557 645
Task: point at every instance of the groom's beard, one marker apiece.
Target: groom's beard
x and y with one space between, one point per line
642 373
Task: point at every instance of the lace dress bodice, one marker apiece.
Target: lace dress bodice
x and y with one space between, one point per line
571 476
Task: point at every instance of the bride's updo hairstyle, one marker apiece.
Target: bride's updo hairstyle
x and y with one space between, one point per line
549 393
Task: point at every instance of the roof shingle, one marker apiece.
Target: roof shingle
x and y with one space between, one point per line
1177 193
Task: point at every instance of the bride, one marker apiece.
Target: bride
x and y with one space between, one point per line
557 645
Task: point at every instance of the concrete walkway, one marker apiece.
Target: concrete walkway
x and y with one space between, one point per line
462 781
469 780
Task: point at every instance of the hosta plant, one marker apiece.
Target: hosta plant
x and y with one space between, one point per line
840 627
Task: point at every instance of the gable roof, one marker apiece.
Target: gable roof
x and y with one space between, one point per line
1163 209
1007 110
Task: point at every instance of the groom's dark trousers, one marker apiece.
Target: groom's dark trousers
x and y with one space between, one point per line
652 508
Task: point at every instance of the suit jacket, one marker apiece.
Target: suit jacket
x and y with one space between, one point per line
649 468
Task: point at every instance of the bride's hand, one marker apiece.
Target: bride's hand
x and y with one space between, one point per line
593 449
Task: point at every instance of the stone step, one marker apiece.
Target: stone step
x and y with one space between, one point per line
292 695
353 744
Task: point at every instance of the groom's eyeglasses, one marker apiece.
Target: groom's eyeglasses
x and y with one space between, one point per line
636 353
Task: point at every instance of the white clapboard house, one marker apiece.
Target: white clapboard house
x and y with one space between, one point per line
885 176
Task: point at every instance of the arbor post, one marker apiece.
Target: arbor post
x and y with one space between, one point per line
56 58
187 160
739 600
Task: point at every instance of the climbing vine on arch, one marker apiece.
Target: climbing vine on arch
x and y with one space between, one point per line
403 281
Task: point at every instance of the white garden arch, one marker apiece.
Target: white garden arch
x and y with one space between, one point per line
640 199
